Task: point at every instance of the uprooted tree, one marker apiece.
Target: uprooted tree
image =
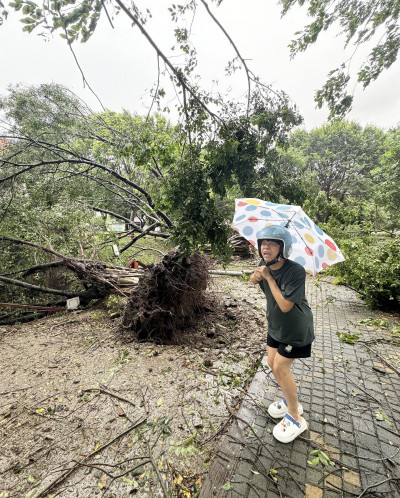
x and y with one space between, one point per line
61 162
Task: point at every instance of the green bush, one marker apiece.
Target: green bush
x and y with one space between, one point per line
372 267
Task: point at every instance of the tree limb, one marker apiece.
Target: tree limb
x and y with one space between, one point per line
38 288
177 73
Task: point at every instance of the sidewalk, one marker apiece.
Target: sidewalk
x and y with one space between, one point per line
351 400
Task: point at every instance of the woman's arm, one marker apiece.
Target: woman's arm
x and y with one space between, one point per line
284 304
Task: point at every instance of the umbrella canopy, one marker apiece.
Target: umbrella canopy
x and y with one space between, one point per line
311 246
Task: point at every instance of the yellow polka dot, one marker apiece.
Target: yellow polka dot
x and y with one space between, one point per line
255 202
309 238
332 255
268 224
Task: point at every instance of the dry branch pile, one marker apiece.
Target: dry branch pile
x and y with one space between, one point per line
241 247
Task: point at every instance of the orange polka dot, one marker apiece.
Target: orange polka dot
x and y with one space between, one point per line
332 255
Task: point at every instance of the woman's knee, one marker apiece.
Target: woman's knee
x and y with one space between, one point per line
270 362
282 365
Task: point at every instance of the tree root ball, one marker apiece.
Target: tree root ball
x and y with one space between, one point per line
168 299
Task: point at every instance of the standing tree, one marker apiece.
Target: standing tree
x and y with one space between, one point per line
341 156
387 179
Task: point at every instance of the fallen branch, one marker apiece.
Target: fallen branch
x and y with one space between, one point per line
371 486
38 288
77 464
33 306
384 360
231 273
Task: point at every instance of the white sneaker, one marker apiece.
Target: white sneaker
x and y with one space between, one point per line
278 409
288 429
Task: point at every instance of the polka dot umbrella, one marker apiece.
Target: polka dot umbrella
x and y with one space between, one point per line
311 247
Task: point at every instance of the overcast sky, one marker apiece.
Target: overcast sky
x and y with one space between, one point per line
121 67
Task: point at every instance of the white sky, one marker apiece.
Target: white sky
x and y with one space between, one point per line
121 67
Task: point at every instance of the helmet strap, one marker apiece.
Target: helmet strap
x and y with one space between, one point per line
276 260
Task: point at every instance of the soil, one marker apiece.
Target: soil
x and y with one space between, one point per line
84 414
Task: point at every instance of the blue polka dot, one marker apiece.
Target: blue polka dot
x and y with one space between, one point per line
283 215
300 260
321 251
318 230
247 230
294 240
265 213
240 217
306 221
298 225
250 207
316 261
283 208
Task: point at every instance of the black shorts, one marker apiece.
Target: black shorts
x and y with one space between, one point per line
289 351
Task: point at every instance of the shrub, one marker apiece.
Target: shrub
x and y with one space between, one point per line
372 267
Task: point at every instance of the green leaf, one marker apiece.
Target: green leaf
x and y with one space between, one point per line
130 482
32 492
227 486
379 415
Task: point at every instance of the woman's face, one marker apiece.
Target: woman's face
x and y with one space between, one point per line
270 250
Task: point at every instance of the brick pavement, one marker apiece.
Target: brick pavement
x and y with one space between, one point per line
345 389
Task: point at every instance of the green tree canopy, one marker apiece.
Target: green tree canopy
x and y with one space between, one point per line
387 179
341 155
173 178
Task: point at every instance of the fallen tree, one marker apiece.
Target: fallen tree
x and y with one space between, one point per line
169 298
94 280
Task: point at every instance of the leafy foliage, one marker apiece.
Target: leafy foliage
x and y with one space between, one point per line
387 179
341 156
372 267
363 22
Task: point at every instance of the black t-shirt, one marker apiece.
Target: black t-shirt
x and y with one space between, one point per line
296 327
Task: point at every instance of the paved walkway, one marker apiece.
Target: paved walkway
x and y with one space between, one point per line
351 399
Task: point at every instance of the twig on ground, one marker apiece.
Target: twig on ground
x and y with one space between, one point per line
104 390
156 470
77 465
67 322
371 486
383 359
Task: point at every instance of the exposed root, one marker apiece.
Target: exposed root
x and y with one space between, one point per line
169 299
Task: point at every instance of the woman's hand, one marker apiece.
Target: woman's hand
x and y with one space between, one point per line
264 271
257 275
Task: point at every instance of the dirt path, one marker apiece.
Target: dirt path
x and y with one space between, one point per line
82 414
